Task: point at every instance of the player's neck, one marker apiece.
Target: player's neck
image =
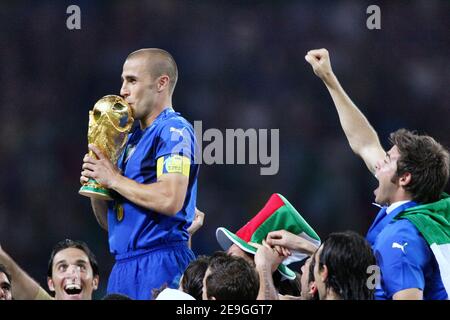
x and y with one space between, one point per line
401 196
155 112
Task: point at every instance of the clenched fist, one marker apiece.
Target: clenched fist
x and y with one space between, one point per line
319 59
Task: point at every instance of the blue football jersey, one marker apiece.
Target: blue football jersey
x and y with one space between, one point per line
167 145
404 257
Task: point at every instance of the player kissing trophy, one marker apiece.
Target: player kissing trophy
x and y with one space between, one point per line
110 121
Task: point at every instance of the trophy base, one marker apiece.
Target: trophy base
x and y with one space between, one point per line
93 190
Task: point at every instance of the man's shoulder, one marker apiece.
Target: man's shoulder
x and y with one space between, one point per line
400 228
402 225
400 232
175 127
174 118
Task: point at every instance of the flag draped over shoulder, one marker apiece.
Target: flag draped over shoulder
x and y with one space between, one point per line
433 222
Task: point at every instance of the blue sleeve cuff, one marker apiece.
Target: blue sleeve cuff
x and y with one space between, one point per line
402 276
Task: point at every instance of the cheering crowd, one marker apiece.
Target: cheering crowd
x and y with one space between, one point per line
150 222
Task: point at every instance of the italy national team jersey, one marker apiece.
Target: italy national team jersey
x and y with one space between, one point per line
404 257
168 145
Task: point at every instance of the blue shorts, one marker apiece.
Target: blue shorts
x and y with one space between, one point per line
137 273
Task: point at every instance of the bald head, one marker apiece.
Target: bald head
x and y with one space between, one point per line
159 62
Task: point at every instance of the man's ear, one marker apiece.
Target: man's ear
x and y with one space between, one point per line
50 284
95 282
163 82
405 179
324 273
312 288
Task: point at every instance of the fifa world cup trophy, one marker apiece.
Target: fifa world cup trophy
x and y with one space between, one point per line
110 121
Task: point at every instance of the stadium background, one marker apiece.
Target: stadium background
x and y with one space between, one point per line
241 65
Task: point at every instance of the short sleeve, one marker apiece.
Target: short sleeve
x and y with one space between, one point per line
176 138
402 257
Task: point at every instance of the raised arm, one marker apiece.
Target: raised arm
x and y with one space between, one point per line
22 285
362 138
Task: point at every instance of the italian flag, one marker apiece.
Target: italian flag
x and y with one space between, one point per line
433 222
277 214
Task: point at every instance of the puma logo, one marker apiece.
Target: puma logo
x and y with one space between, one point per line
399 246
180 131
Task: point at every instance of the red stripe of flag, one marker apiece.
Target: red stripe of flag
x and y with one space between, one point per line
246 232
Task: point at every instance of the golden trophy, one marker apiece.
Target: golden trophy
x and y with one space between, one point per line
110 121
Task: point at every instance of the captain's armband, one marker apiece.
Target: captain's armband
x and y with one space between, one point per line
173 164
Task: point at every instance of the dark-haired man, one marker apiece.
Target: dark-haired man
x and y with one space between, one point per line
268 257
410 235
340 267
230 278
308 282
72 274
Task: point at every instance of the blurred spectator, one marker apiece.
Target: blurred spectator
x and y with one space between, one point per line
341 265
230 278
5 284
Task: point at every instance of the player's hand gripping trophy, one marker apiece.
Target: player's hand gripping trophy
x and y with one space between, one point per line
110 121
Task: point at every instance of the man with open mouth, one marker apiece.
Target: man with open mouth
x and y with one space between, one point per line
72 274
410 236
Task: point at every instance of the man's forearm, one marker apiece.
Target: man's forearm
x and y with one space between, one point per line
305 247
100 209
159 196
267 289
356 127
408 294
22 285
362 137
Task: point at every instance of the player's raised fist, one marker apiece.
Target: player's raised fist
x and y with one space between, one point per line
319 59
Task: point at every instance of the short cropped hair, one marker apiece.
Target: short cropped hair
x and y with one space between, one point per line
162 63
